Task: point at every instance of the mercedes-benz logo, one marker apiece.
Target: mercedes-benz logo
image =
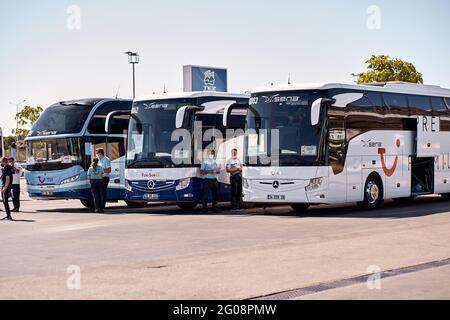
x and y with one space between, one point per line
151 184
276 184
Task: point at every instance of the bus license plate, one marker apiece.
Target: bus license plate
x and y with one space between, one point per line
276 197
151 196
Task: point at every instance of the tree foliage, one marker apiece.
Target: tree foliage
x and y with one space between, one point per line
26 117
383 69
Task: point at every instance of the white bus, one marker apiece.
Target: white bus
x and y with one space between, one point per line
311 144
151 174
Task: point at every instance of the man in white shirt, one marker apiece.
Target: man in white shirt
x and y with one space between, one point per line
16 184
234 168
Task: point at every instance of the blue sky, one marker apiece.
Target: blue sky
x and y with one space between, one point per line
260 42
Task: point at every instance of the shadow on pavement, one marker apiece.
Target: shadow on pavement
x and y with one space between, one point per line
394 210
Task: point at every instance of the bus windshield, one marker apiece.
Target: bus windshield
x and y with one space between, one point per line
62 118
150 130
53 154
288 116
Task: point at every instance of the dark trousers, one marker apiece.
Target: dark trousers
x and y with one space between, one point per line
5 197
210 185
16 196
105 191
97 193
236 191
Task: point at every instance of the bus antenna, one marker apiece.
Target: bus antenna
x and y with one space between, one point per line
289 78
117 92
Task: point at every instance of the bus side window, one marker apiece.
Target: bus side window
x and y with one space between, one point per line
440 110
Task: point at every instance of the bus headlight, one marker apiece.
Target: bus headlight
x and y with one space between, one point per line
183 184
314 184
245 183
71 179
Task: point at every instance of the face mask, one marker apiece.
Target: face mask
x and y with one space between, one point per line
211 157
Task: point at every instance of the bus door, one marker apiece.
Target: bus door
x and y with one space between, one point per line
428 148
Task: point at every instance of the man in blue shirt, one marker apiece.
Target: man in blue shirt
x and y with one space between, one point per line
105 163
209 169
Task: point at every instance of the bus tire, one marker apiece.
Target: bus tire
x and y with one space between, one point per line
89 204
373 193
445 196
299 207
135 204
187 205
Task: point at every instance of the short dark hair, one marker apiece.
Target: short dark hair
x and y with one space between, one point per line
101 151
11 159
234 149
4 159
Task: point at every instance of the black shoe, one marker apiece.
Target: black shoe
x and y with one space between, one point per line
7 218
15 210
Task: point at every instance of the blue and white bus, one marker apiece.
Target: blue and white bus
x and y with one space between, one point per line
62 143
151 173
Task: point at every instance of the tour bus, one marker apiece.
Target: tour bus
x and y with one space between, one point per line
62 144
2 145
311 144
158 171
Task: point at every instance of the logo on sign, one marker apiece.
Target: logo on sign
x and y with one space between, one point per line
209 80
41 179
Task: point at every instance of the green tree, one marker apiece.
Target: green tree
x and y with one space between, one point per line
383 69
26 117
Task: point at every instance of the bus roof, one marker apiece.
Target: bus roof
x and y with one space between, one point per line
90 101
393 87
195 94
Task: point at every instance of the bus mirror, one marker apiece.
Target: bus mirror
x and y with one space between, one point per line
316 109
315 112
179 119
181 113
344 99
229 109
111 115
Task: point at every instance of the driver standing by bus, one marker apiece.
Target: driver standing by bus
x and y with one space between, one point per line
234 168
209 169
105 163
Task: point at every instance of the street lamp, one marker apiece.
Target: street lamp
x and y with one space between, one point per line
17 111
133 58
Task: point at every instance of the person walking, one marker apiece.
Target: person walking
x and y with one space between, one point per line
105 163
209 170
234 168
95 176
15 183
7 178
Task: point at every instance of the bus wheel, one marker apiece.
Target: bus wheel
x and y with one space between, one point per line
187 205
299 207
135 204
445 196
373 193
87 203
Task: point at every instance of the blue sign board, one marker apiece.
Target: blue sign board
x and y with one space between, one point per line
197 78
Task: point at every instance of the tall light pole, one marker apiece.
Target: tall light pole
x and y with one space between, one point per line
17 112
133 58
